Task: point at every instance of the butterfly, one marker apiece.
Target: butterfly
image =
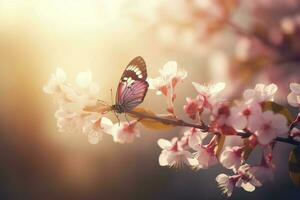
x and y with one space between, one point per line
132 87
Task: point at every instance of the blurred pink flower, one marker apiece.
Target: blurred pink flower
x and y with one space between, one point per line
267 126
231 157
95 126
264 171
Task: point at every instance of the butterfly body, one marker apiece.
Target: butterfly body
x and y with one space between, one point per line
132 86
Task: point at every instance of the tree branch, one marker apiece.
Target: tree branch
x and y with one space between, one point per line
202 127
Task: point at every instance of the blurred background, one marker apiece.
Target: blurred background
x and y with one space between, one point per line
237 41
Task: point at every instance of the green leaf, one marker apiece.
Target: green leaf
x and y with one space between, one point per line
294 166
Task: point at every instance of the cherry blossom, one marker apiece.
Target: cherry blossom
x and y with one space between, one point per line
54 84
206 156
221 120
88 91
240 114
95 126
193 107
243 178
68 121
294 97
173 155
267 126
168 79
247 180
295 133
231 157
209 93
165 84
261 93
194 137
241 125
226 183
124 132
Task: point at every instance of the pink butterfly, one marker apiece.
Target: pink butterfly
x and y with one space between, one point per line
132 86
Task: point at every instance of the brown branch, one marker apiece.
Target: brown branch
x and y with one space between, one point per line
169 121
202 127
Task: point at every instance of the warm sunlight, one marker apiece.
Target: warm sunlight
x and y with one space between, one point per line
149 99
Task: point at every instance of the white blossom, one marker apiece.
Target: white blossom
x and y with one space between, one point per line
170 75
210 93
123 132
225 183
247 180
54 84
173 155
261 93
94 127
294 97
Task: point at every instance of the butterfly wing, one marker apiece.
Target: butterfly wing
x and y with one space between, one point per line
132 86
134 95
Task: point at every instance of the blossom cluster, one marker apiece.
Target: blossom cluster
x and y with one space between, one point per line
233 129
73 116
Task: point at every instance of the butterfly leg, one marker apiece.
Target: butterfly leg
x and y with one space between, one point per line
117 117
127 119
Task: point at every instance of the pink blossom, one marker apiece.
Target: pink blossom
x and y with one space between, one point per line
205 156
231 157
295 133
240 114
94 127
193 107
267 126
165 84
173 155
124 132
194 136
221 121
